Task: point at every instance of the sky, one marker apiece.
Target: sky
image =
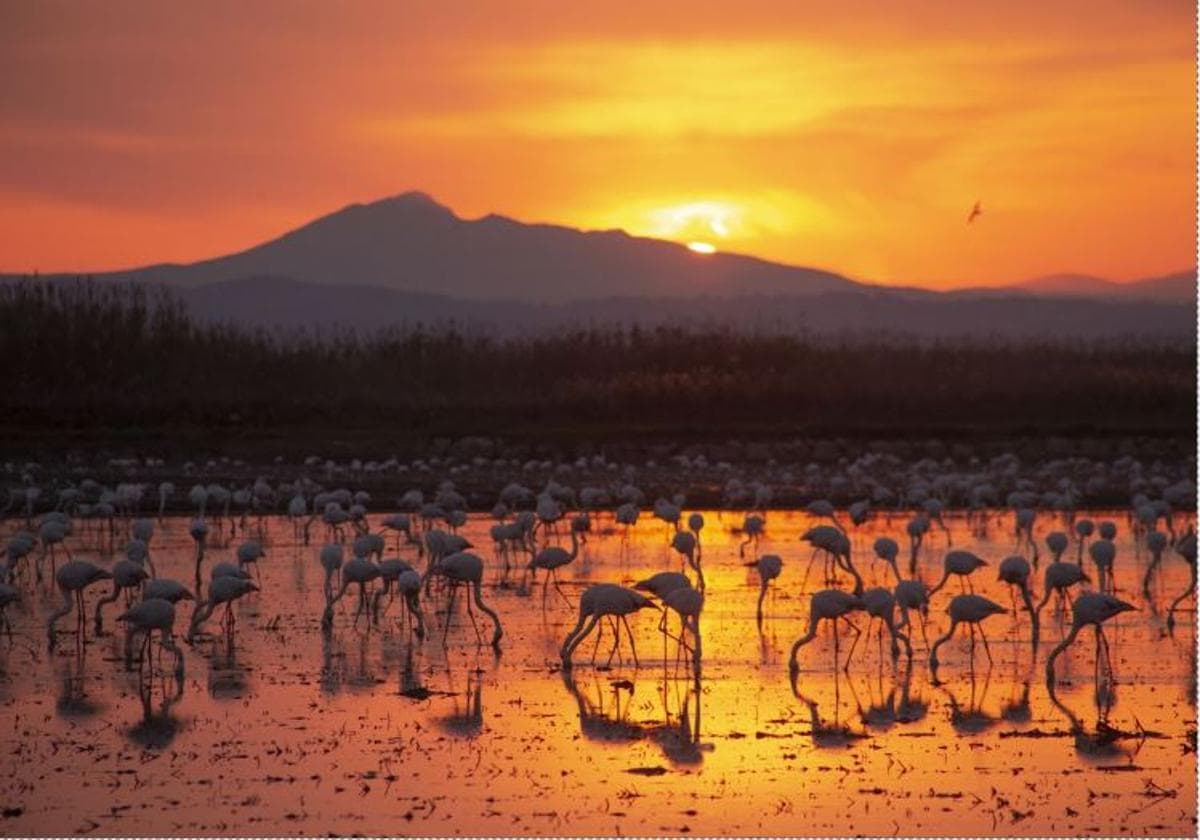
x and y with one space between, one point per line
852 136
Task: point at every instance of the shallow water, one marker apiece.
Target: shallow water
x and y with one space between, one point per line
280 729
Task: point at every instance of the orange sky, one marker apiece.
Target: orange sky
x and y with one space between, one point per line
852 136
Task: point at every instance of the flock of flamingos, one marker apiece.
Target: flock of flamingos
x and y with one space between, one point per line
1076 563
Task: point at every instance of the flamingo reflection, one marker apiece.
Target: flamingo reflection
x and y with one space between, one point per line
466 722
158 727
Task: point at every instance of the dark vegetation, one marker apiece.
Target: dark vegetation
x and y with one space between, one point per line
80 359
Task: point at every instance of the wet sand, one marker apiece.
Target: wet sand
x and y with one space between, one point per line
283 729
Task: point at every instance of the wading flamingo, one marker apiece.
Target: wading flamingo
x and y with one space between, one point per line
1091 609
602 600
830 605
971 610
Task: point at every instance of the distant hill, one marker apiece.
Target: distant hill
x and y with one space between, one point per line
413 244
1178 287
407 260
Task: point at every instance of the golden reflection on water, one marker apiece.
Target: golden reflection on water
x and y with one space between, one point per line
283 729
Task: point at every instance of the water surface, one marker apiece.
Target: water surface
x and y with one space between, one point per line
283 729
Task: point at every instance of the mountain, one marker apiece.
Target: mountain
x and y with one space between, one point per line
411 243
408 260
1179 287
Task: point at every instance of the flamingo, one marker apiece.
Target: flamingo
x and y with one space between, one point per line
249 552
72 578
199 533
1089 609
165 491
400 523
143 529
1156 541
464 569
1025 518
753 527
1059 577
1103 552
146 617
695 524
126 575
859 512
881 603
297 512
1186 549
627 515
1014 570
53 532
167 590
229 570
933 509
198 496
970 610
830 605
600 600
685 543
660 585
824 509
138 551
668 512
687 603
916 528
912 595
358 570
223 590
1057 542
19 546
887 549
768 567
961 563
836 546
369 545
330 558
552 558
396 573
1084 528
441 544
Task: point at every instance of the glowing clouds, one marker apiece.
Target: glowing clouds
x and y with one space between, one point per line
695 220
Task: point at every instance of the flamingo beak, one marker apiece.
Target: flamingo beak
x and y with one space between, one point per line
1125 606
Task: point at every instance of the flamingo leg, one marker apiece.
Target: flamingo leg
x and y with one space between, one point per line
986 649
599 632
558 588
632 644
616 642
449 613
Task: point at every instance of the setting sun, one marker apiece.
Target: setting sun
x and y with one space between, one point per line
702 247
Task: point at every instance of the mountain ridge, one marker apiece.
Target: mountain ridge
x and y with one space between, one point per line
411 242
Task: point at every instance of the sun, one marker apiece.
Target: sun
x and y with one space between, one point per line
702 247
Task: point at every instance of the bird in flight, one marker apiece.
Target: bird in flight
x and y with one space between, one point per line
976 211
